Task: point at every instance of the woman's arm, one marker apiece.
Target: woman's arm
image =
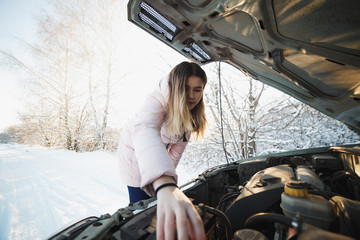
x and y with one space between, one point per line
176 212
152 158
156 168
176 150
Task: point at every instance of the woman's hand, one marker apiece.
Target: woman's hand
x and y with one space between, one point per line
176 212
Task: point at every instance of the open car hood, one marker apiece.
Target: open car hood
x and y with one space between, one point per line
307 49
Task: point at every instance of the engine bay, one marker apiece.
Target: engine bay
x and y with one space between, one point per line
304 195
320 189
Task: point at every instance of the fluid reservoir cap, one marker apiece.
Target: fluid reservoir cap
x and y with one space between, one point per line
296 189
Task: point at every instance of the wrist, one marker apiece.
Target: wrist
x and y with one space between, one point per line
161 180
165 185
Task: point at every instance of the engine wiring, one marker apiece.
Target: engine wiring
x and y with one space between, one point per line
224 219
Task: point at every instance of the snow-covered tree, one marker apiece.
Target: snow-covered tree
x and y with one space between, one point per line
70 77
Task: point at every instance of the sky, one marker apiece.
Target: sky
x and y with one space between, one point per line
18 20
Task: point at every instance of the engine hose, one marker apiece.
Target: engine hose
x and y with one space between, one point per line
221 215
254 220
326 194
225 198
275 161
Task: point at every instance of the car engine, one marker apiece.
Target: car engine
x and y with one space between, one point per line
278 194
312 195
298 193
296 197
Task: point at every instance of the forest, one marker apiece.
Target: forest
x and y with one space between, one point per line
74 76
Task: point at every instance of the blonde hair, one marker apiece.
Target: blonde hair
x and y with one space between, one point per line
180 118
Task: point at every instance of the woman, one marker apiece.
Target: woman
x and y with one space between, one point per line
152 143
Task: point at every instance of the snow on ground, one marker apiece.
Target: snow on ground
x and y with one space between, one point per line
43 190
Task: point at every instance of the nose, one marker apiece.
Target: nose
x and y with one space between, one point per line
191 94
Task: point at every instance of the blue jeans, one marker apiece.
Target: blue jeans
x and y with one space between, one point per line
136 194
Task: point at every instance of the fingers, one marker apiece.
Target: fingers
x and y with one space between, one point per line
196 230
189 223
191 231
160 225
170 226
165 226
182 224
175 209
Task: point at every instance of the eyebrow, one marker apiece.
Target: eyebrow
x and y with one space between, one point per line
195 87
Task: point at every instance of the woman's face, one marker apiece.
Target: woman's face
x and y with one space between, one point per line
194 91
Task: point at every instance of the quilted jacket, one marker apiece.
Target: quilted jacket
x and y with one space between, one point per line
146 151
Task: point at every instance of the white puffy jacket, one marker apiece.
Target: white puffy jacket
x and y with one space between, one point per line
146 151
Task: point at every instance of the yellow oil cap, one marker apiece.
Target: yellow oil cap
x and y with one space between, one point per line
296 189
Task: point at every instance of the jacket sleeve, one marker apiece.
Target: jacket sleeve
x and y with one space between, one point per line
177 149
152 157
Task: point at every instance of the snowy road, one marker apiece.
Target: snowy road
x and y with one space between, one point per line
43 190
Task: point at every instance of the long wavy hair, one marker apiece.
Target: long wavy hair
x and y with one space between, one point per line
180 118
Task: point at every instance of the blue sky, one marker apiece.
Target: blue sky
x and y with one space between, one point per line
16 21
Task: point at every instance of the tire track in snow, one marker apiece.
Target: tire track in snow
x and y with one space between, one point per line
44 190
